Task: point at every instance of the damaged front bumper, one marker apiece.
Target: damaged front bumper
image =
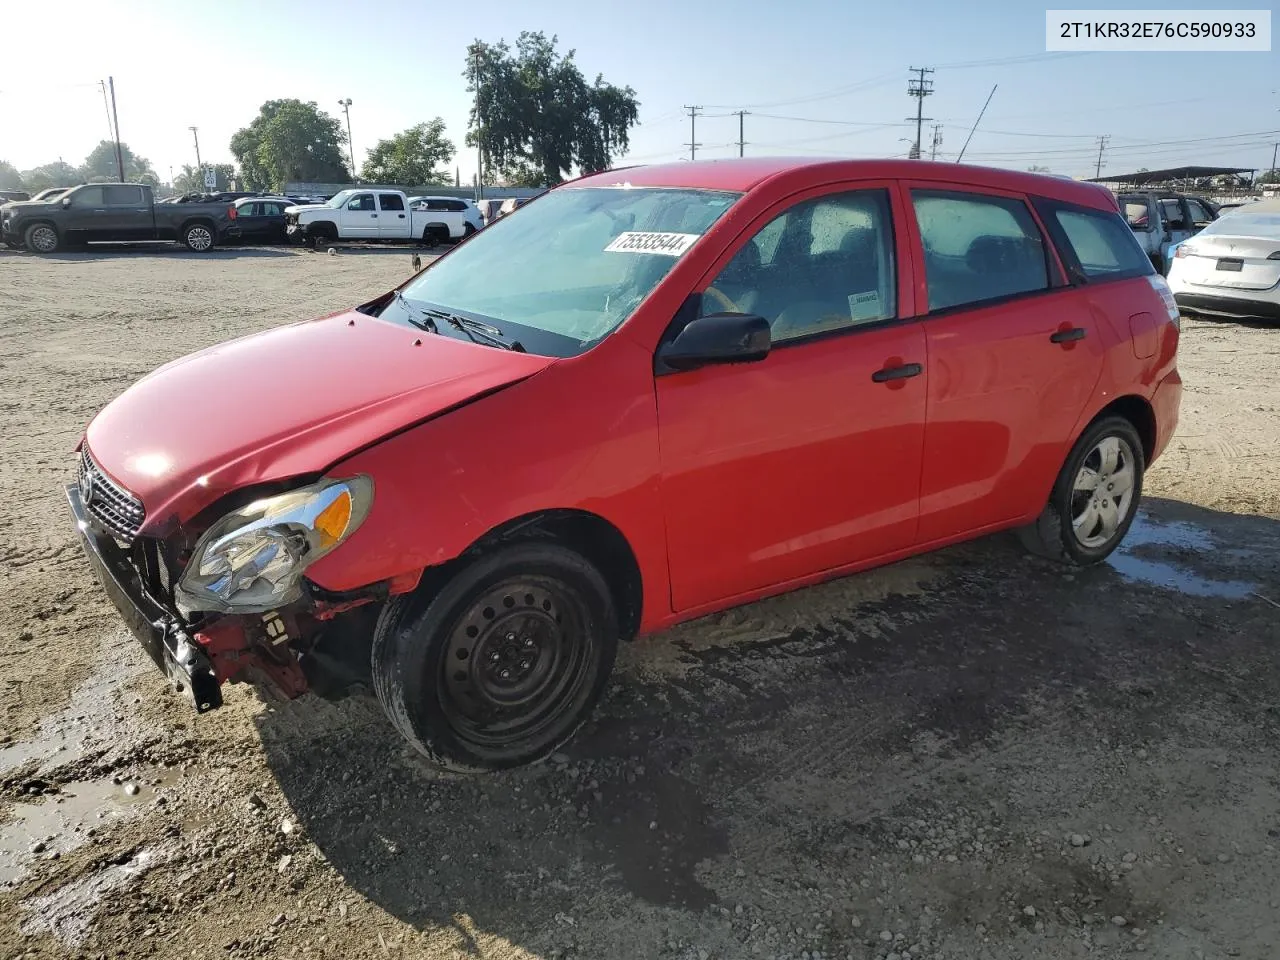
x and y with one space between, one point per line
196 660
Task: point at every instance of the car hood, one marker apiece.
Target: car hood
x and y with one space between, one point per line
287 402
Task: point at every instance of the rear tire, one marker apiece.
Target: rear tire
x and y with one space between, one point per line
199 237
1094 499
503 664
42 238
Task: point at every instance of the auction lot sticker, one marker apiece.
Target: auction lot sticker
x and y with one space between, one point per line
669 244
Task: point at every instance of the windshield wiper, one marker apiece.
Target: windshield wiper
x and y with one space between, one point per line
418 317
477 330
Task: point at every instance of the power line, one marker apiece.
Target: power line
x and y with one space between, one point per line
693 131
919 88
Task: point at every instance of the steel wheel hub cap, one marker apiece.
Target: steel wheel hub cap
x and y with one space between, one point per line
516 663
1102 495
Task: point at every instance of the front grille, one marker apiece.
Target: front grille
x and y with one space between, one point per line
115 508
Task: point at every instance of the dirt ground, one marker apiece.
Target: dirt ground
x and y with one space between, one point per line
970 755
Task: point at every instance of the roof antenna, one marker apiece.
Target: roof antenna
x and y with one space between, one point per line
975 123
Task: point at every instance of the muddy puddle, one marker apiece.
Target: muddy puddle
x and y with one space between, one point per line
1162 553
57 815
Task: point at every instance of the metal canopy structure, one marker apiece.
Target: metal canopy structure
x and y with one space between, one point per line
1173 173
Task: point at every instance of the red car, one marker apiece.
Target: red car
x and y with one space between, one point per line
657 393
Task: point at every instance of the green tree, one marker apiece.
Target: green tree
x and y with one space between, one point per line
1271 176
56 174
536 118
100 166
412 157
290 140
10 178
191 180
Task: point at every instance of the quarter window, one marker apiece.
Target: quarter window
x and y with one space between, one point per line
1104 246
824 264
978 248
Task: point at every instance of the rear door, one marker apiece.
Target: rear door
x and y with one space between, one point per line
360 217
1014 356
393 218
128 212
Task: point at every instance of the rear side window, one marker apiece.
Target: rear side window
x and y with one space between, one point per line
978 248
123 195
390 201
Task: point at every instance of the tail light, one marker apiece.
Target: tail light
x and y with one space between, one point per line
232 213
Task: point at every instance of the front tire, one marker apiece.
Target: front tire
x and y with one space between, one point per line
502 665
42 238
1095 497
199 238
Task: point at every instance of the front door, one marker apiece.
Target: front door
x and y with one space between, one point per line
86 216
360 218
1014 355
393 219
808 460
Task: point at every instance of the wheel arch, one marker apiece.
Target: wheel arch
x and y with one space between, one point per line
200 221
587 533
1138 411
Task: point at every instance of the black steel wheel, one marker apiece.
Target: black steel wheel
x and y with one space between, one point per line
503 664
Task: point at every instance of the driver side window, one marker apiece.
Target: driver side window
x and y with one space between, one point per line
824 264
362 202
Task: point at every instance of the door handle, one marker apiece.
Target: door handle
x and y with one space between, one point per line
374 216
1066 336
401 216
903 372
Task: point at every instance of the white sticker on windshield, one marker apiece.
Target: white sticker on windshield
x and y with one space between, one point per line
668 244
864 306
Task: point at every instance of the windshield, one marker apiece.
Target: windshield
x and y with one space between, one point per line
338 199
574 265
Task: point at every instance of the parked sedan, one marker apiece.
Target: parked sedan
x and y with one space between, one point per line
623 409
1232 267
259 220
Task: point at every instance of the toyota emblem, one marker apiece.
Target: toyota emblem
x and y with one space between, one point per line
86 487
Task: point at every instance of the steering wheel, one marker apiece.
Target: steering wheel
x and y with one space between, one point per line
728 305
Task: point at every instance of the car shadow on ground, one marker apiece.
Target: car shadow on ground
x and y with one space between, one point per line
766 748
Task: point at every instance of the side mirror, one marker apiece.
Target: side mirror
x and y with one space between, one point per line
718 338
66 203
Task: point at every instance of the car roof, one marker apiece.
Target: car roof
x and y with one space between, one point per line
743 175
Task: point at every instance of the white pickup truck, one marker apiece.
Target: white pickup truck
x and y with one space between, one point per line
382 215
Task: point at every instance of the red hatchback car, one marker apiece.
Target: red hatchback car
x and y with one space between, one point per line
650 394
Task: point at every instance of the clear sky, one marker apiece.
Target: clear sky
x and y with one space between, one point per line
819 77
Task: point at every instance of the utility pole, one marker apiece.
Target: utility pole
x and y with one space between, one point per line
115 120
693 136
107 107
195 134
1274 147
351 147
919 88
937 141
741 142
1102 145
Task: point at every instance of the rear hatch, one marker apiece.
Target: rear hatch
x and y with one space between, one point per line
1224 262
